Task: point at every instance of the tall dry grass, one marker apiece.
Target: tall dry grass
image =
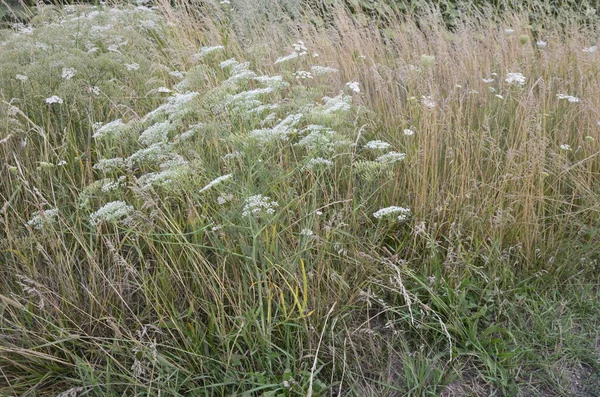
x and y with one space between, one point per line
365 308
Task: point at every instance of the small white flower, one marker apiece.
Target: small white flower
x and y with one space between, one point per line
509 31
541 44
564 146
515 78
61 163
307 232
163 90
54 99
95 90
21 77
68 73
408 132
353 85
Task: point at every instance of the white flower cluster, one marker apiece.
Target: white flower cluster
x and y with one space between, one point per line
114 129
156 133
164 178
109 165
391 157
68 73
318 162
54 99
132 66
174 169
353 85
41 219
176 107
428 102
207 50
515 78
240 73
302 75
111 212
572 99
322 70
113 185
152 154
21 77
322 139
258 204
339 103
401 213
271 82
377 145
299 48
278 133
228 63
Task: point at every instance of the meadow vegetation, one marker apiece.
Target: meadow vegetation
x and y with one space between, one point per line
258 198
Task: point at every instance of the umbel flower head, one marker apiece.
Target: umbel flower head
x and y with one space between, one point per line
258 204
111 212
400 212
515 78
41 219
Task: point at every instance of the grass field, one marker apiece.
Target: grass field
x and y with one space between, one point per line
257 198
